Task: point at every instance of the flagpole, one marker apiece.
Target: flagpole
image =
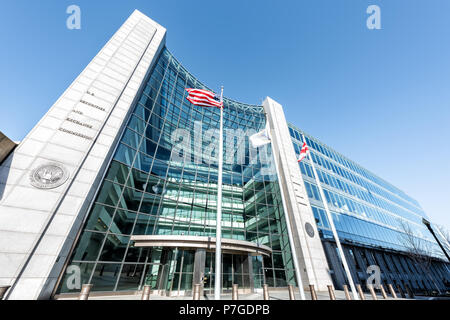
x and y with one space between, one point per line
218 277
333 229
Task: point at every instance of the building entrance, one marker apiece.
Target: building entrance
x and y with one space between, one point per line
177 269
236 269
183 268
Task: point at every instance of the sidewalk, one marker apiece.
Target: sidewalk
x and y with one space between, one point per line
275 295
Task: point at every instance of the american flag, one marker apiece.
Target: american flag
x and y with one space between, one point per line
303 152
204 98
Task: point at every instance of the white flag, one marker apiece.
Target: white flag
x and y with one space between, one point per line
260 139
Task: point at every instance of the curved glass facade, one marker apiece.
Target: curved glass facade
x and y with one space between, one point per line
145 192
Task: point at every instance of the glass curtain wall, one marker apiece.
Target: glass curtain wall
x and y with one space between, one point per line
145 192
365 209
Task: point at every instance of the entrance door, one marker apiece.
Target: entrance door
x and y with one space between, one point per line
235 270
209 274
151 276
157 271
180 273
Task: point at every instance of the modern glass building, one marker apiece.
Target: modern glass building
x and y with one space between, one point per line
375 221
117 187
145 192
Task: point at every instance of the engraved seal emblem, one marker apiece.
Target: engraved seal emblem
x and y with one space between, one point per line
309 229
49 176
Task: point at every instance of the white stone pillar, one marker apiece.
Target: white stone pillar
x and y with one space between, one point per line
313 264
50 179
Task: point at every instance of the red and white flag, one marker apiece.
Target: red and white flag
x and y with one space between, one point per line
204 98
303 152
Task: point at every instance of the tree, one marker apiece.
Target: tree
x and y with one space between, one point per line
417 249
445 235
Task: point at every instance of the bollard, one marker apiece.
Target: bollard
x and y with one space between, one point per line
85 291
291 292
383 293
391 289
196 293
146 293
266 292
372 292
313 292
3 291
361 293
402 294
347 293
235 295
331 293
410 292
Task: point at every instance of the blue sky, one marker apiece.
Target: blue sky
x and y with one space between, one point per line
380 97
